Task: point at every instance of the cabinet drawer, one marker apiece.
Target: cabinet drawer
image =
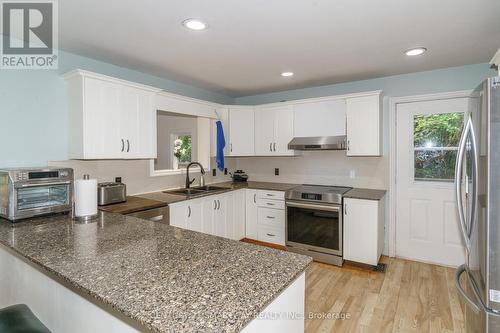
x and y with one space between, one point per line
266 203
271 235
274 195
272 217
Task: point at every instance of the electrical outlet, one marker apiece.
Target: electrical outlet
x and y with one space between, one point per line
225 171
276 171
214 172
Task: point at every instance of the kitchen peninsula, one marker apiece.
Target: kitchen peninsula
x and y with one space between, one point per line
127 275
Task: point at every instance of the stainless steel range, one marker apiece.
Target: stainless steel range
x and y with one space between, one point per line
314 222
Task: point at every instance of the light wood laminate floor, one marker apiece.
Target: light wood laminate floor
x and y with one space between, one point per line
409 297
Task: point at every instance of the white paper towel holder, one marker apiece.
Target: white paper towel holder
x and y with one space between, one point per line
86 218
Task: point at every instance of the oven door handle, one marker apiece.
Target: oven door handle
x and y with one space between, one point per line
41 184
313 206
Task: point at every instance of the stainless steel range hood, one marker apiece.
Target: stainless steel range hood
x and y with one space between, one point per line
318 143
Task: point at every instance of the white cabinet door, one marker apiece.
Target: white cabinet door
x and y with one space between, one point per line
324 118
137 123
101 120
208 215
220 217
178 215
194 215
241 132
283 130
239 208
264 131
363 230
364 121
251 217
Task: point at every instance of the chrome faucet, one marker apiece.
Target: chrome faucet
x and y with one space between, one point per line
202 176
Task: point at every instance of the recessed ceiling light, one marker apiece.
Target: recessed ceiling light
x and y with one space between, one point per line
416 51
287 74
194 24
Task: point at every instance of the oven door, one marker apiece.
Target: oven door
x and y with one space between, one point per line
32 199
316 227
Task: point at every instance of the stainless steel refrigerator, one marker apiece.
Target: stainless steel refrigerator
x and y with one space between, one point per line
477 182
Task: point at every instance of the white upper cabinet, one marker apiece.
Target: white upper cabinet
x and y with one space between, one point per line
364 125
241 131
321 118
110 118
273 130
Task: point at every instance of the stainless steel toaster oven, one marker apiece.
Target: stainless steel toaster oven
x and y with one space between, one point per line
30 192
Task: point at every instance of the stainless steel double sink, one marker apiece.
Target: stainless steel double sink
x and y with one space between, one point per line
199 190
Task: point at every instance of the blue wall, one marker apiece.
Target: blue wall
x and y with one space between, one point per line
440 80
34 112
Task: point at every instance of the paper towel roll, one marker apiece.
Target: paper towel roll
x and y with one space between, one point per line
85 197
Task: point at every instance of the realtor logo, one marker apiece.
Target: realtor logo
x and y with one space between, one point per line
29 35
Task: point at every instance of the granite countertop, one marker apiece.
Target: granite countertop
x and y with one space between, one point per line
170 198
365 193
165 278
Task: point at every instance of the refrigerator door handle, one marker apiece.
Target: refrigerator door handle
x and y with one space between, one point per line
475 179
458 183
464 295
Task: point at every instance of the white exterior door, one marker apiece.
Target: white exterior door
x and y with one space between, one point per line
427 226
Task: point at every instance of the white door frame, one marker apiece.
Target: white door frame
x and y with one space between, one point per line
393 103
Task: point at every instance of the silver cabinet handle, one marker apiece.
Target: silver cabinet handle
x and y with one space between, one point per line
270 146
219 205
345 209
231 145
459 272
123 145
274 146
128 146
271 217
348 144
270 204
271 235
270 195
255 198
215 205
189 211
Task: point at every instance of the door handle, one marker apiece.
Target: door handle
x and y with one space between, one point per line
270 204
231 147
348 144
271 235
255 198
215 205
189 211
270 146
218 207
345 209
274 146
128 146
475 167
123 145
271 217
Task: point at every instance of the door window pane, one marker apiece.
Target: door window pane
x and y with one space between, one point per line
435 144
437 130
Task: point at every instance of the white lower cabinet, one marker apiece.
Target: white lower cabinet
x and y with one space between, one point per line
265 216
363 230
251 214
219 215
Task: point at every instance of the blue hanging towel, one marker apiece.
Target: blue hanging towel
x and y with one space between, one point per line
221 143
